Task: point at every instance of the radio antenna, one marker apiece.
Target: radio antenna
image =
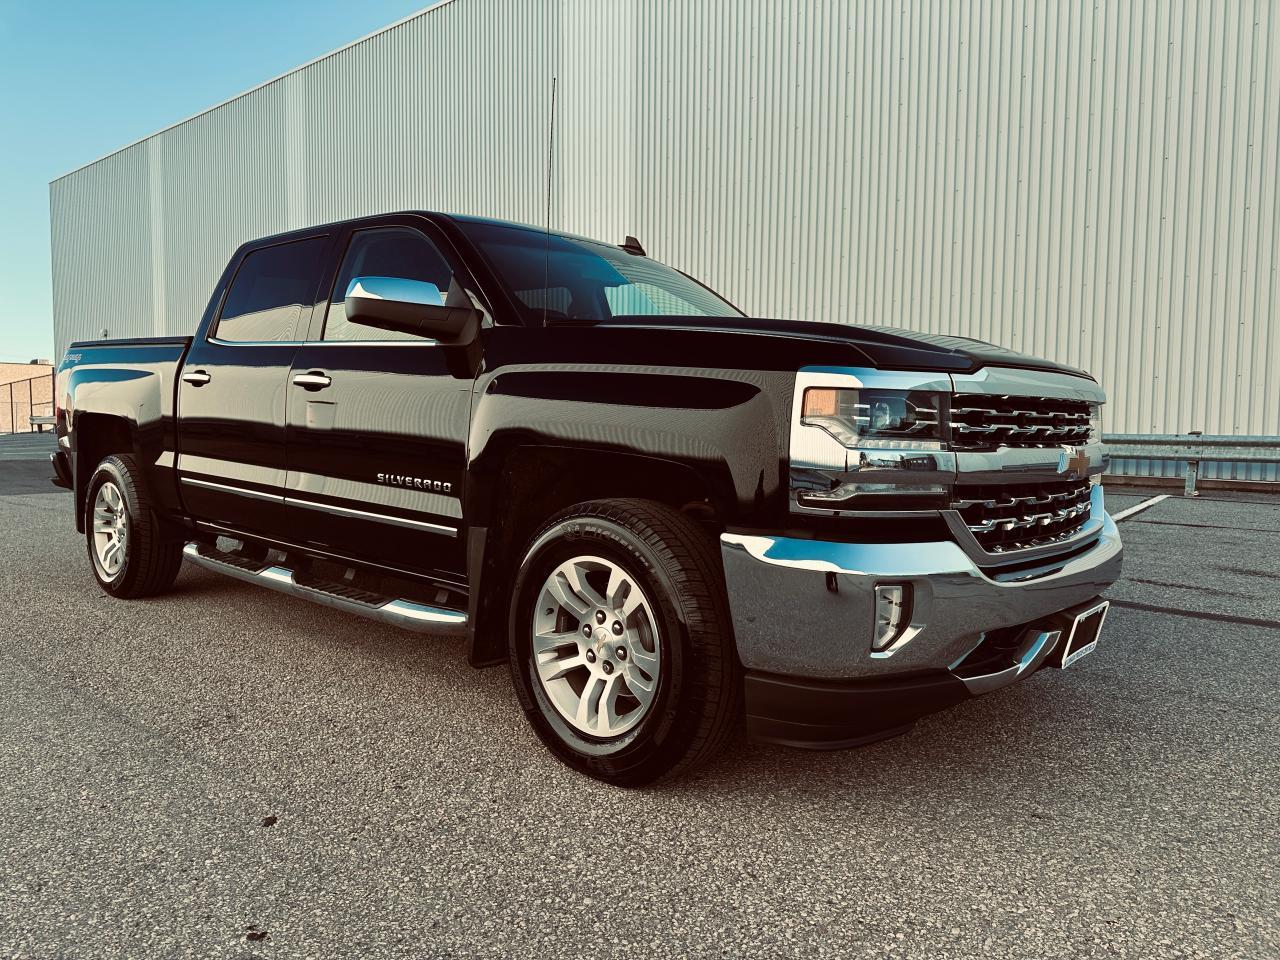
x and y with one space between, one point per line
546 260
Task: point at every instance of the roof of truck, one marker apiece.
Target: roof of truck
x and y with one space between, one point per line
431 214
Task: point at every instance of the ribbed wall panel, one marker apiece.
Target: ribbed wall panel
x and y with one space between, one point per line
1095 182
596 135
224 182
448 111
100 227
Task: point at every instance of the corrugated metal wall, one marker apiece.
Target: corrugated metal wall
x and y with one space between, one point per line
1095 182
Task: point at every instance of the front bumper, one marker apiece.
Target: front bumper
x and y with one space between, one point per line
830 715
803 614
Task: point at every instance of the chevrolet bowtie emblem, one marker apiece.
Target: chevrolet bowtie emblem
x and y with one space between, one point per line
1073 462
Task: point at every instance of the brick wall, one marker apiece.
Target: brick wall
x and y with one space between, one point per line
25 389
21 371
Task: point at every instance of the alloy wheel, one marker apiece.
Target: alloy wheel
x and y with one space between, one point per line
596 648
110 530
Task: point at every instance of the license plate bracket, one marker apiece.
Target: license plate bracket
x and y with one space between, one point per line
1082 638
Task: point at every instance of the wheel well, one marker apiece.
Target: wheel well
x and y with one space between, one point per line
535 484
98 436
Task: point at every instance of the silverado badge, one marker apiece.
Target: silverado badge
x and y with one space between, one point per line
414 483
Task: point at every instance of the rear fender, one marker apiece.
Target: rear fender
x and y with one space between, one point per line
120 410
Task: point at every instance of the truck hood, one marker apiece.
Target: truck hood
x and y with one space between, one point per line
885 347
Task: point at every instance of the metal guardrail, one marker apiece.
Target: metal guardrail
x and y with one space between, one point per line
1191 448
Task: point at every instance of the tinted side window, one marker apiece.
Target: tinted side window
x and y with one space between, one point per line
270 290
384 252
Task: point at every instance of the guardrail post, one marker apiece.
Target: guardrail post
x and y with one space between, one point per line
1190 489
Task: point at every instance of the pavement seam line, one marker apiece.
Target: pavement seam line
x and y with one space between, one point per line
1205 526
1196 614
153 741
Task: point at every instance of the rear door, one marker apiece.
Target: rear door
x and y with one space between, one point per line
232 388
377 420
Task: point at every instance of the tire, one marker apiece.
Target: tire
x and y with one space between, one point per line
691 706
146 560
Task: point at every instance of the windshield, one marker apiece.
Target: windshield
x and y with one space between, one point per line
567 279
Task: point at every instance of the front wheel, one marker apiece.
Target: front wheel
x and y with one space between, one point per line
129 552
621 647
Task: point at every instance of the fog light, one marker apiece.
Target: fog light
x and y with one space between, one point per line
893 613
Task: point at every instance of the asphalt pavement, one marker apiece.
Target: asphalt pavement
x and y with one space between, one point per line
223 772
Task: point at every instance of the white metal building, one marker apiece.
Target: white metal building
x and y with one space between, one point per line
1095 182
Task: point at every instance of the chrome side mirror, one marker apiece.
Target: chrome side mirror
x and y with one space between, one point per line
411 306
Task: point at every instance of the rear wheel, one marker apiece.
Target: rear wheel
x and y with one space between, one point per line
621 649
129 551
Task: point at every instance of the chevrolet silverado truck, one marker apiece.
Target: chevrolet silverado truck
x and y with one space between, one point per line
663 514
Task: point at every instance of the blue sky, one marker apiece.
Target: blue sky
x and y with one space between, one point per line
81 79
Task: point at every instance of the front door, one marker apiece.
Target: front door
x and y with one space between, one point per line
377 421
232 390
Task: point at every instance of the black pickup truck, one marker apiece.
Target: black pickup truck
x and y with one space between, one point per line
663 514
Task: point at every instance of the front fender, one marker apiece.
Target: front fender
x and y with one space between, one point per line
722 429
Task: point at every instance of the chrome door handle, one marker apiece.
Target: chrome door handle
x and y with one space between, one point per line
197 378
312 381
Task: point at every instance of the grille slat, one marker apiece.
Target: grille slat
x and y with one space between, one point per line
982 422
1006 517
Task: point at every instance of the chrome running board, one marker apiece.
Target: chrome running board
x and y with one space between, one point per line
408 614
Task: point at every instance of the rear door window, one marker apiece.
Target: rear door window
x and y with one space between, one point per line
270 291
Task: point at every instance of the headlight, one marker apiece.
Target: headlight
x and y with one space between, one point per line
864 446
1095 423
883 419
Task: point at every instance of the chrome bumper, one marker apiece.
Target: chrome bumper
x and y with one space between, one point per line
806 608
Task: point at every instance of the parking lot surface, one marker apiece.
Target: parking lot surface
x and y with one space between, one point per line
223 772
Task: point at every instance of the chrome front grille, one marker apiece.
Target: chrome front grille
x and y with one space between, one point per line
985 422
1005 517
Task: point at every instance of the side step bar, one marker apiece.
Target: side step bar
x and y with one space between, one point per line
408 614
